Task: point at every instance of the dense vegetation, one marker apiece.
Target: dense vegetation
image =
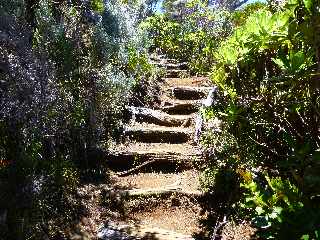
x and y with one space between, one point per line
268 72
68 68
194 33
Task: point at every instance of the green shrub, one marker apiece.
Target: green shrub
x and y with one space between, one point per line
67 72
267 72
193 39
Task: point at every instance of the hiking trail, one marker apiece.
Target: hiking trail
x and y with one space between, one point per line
155 175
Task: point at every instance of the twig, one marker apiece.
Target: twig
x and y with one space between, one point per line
290 125
132 170
218 225
264 145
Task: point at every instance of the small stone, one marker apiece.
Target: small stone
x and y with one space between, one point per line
112 234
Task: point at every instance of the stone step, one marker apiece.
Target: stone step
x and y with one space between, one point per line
114 231
170 66
189 93
174 73
162 59
147 115
155 192
141 157
186 182
153 133
178 149
169 216
191 81
177 107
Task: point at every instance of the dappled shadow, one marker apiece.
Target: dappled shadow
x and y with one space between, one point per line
37 208
115 231
217 204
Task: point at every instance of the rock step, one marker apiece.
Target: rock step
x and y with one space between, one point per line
187 181
192 81
158 148
134 161
174 73
162 59
171 214
169 65
155 192
137 231
175 107
147 115
154 133
189 93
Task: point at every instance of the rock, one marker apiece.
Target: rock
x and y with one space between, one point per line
148 115
176 73
181 107
190 93
122 160
108 233
211 98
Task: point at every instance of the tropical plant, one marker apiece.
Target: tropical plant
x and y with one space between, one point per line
268 71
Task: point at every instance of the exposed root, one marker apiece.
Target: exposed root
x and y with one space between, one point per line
135 169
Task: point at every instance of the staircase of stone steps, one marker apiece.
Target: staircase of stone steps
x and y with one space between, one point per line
156 169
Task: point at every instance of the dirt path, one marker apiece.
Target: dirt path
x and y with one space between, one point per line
154 190
157 184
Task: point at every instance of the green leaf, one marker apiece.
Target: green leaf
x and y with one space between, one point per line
280 63
275 213
297 61
259 210
97 5
308 5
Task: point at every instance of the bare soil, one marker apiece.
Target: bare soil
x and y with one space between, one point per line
186 180
157 147
173 218
192 81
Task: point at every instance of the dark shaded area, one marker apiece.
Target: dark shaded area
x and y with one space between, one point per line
219 202
188 93
158 136
165 163
180 108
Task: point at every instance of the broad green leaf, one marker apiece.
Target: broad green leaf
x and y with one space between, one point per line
308 5
280 63
305 237
297 61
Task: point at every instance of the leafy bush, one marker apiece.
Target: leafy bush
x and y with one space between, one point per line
267 70
279 209
66 71
193 38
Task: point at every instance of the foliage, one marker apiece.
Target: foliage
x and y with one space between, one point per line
66 73
279 208
179 8
240 16
193 38
268 72
196 33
